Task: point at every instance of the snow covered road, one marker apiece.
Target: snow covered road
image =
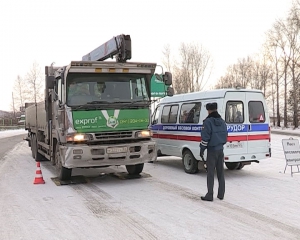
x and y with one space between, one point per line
261 202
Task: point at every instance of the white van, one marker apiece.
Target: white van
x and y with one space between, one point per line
177 121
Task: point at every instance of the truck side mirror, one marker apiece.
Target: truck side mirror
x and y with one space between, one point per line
50 82
168 78
170 91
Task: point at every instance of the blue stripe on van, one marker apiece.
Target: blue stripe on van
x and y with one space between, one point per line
177 127
257 127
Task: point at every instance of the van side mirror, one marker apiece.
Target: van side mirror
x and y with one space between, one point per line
170 91
50 82
168 78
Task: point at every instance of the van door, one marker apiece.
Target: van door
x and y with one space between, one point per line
258 138
168 133
155 126
235 117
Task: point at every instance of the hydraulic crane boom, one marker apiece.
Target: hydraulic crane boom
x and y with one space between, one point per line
119 46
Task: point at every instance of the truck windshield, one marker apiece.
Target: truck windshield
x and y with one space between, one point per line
96 88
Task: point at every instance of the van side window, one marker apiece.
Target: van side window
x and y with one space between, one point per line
173 114
169 114
256 112
190 112
234 112
155 115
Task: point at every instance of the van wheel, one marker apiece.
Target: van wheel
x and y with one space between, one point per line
232 165
190 164
241 165
135 169
63 173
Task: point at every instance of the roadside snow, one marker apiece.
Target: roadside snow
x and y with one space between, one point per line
285 130
14 132
261 202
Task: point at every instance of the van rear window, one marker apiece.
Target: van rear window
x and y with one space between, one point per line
234 112
256 112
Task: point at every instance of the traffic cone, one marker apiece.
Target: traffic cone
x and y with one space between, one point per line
38 175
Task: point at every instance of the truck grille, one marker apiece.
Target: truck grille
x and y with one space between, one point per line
113 135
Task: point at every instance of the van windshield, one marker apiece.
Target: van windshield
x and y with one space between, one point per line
90 87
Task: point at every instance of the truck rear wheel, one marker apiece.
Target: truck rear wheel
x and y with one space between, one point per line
135 169
34 148
190 164
64 174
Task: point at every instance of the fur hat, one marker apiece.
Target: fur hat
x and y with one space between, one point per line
212 106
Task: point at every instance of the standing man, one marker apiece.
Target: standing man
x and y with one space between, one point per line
213 137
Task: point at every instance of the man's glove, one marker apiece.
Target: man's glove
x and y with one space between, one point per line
201 152
204 162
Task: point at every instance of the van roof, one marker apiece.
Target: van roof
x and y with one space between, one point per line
209 94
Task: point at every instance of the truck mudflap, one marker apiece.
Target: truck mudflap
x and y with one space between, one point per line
82 155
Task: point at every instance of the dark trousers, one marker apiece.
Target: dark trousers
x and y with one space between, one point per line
215 160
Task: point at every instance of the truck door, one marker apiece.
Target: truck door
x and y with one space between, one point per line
258 137
235 117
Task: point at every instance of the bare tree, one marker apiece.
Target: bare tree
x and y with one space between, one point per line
244 71
193 69
237 75
273 48
19 90
35 82
292 31
167 62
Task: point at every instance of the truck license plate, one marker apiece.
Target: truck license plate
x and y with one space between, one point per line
116 150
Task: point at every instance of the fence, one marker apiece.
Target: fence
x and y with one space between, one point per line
10 123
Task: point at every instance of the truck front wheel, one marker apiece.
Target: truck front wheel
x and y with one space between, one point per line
135 169
64 174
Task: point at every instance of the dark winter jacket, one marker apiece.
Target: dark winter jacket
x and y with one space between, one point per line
214 132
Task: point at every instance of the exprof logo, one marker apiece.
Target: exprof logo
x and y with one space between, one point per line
86 121
111 121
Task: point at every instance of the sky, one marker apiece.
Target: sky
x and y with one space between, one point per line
261 201
43 32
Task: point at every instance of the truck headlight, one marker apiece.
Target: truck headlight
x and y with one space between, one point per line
78 137
143 134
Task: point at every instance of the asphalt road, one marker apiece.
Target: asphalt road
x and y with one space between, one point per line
8 143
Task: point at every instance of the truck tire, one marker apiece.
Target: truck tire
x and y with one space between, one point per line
135 169
232 165
64 174
190 164
32 146
35 154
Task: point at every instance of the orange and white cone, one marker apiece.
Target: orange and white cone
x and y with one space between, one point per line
38 175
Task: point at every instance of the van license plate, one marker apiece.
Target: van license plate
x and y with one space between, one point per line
234 145
116 150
